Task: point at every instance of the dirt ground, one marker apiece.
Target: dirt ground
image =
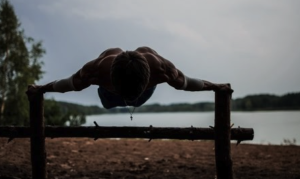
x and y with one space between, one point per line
83 158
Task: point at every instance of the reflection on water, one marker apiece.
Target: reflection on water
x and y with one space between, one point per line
269 127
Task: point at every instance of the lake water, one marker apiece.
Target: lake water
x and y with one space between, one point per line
269 127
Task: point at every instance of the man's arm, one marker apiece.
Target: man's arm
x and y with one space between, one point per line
180 81
82 79
193 84
76 82
62 85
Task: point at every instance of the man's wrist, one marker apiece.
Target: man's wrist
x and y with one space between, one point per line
215 87
47 88
210 86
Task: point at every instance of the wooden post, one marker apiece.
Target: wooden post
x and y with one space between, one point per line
37 140
222 135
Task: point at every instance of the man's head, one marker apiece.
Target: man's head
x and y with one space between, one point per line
130 74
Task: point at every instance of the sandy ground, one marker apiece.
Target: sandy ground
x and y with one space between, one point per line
83 158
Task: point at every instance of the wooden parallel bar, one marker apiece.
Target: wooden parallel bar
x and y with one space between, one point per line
192 133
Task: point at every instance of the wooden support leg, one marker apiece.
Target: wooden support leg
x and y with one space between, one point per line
37 140
222 135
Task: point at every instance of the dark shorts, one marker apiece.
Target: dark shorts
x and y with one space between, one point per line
110 100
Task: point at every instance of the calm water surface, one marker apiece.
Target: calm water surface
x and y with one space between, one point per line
279 127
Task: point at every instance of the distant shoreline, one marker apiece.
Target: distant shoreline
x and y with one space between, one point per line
111 113
251 103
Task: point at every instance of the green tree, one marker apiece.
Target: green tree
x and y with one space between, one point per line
53 113
57 115
19 66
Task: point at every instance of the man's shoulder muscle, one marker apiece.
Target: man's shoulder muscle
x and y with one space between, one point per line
101 64
105 59
162 70
145 49
110 51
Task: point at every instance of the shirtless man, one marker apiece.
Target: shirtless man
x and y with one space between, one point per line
127 78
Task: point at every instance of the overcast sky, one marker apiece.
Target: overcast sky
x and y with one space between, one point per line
252 44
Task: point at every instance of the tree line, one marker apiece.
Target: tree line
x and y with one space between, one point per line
63 113
265 102
289 101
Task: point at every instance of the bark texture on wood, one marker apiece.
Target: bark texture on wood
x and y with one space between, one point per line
223 135
37 140
239 134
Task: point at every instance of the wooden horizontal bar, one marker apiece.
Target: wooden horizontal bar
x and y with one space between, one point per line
192 133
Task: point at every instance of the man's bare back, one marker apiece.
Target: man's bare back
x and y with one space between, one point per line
98 72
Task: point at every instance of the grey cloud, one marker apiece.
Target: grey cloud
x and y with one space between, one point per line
254 45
